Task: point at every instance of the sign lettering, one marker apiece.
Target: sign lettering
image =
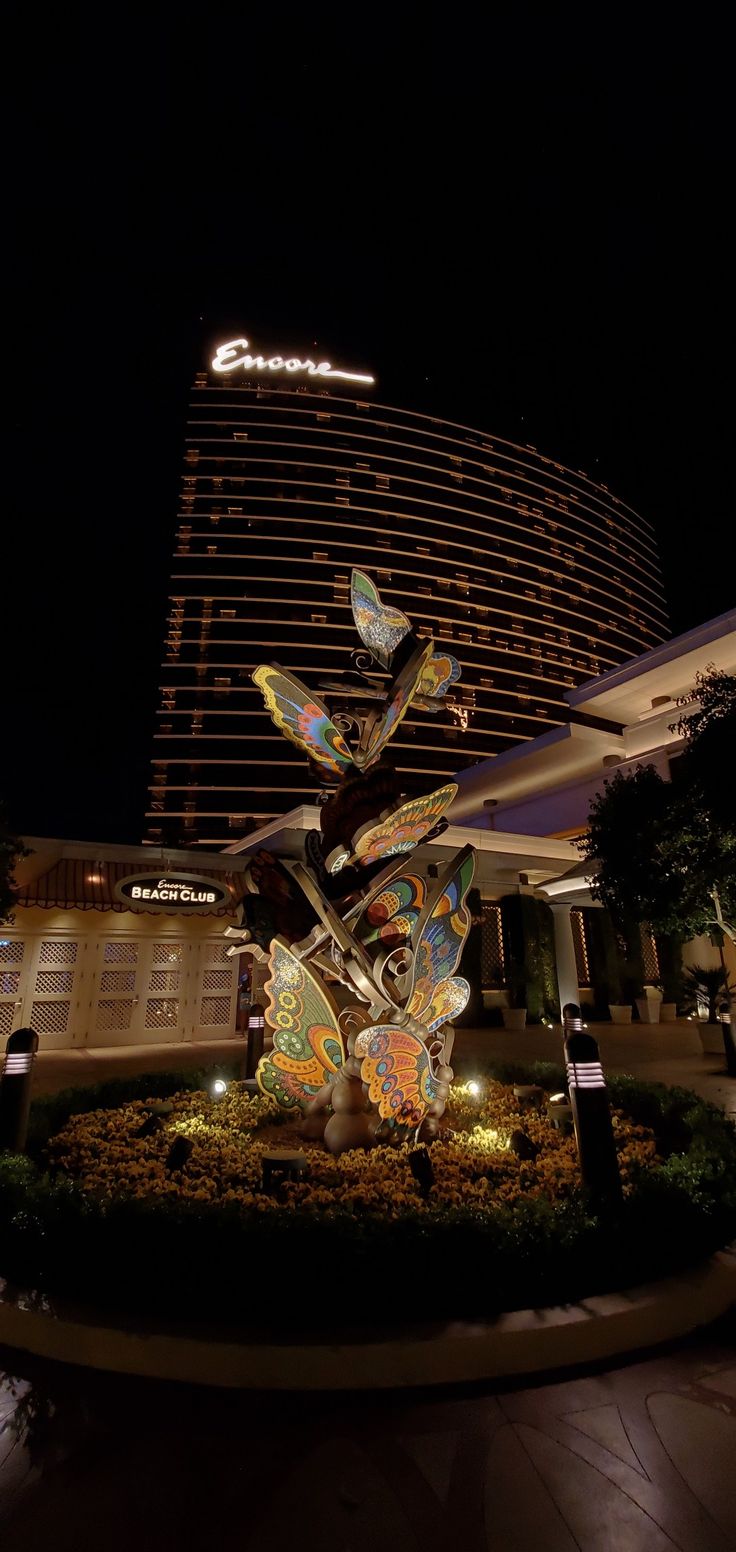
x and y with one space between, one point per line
235 354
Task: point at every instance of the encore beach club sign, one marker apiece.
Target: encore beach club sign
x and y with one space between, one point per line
234 355
171 892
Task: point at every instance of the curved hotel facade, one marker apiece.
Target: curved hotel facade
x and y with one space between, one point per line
535 577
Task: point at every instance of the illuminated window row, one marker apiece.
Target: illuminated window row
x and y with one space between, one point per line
517 536
306 481
340 409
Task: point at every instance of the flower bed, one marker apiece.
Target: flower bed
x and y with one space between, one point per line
98 1214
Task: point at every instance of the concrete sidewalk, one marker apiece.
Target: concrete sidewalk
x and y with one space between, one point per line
663 1053
658 1053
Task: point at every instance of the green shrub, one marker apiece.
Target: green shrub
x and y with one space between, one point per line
198 1261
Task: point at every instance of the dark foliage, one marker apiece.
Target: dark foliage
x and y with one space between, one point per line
199 1263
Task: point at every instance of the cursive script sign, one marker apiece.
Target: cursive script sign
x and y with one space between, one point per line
234 354
173 892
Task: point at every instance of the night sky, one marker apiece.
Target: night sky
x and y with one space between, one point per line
515 222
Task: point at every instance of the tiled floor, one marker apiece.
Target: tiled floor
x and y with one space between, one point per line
639 1458
636 1459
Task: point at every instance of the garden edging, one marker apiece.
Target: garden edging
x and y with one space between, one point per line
529 1341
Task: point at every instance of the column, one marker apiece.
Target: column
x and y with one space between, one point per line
567 970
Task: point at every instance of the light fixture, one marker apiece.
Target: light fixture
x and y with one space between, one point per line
219 1087
473 1087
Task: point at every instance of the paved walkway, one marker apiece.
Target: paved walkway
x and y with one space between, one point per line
667 1053
634 1459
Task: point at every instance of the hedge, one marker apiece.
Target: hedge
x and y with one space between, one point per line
202 1263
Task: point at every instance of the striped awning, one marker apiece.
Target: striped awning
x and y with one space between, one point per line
73 884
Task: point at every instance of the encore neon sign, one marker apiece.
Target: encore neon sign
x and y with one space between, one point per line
234 354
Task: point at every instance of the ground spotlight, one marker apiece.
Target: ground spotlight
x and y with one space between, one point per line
219 1088
473 1088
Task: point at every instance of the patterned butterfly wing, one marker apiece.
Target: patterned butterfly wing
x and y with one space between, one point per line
307 1044
303 719
392 915
397 1069
440 932
401 695
446 1003
405 828
380 626
442 670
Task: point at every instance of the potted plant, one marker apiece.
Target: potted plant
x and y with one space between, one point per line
706 986
669 954
514 1016
648 1004
671 997
619 1011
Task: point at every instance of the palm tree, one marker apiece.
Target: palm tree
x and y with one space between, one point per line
707 984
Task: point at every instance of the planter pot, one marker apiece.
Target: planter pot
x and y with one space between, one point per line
620 1012
648 1009
711 1039
514 1018
667 1012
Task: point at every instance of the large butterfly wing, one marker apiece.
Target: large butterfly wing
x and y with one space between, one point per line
442 670
397 1069
307 1044
405 828
303 719
440 932
446 1003
401 695
392 915
380 626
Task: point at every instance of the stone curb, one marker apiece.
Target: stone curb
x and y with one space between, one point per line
606 1326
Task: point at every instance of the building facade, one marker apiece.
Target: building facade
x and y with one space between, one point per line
532 575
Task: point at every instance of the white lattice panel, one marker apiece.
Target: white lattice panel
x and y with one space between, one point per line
121 953
6 1017
50 1018
11 951
164 980
218 980
58 951
216 1010
52 982
167 953
117 981
161 1012
9 982
114 1012
216 953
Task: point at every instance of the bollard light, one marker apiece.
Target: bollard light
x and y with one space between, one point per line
256 1038
15 1089
591 1111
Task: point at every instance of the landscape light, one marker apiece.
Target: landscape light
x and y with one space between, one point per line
473 1087
219 1087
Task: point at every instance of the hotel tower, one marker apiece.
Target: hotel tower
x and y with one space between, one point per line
533 575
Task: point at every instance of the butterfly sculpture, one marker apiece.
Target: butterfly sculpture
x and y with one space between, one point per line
398 1052
421 677
359 1007
307 1045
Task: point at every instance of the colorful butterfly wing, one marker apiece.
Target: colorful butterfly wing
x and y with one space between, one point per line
303 719
441 932
446 1003
405 828
307 1044
392 915
380 626
442 670
401 695
397 1069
